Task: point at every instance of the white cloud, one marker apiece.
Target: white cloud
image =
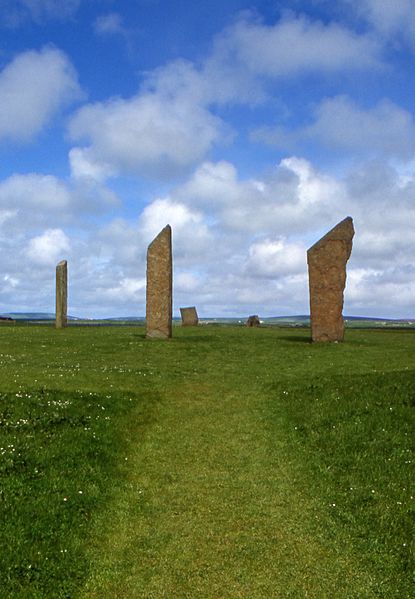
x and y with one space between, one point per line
127 290
29 201
33 88
292 197
340 124
34 192
191 235
48 248
84 167
169 126
148 135
275 258
186 282
386 128
370 292
239 245
388 17
6 215
295 45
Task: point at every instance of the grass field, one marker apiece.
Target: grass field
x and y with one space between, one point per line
225 463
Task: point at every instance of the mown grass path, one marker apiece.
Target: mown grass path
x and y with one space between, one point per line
259 466
219 505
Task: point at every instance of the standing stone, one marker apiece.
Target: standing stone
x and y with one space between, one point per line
159 297
61 295
253 321
327 279
189 317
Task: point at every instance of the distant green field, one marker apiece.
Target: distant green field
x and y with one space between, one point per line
226 462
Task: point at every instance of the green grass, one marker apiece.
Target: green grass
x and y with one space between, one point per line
227 462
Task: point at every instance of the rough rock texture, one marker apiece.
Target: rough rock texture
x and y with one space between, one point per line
327 279
61 295
189 317
159 298
253 321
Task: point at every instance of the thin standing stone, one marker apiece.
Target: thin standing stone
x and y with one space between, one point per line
327 261
159 296
189 317
61 294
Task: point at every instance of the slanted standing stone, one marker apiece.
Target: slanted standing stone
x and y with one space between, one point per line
253 321
159 297
327 279
189 317
61 295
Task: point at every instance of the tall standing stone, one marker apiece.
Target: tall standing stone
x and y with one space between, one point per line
159 296
189 317
327 279
61 294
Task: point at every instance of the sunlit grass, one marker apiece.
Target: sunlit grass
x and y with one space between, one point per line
227 462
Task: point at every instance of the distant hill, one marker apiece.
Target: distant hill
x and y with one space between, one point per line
299 320
33 316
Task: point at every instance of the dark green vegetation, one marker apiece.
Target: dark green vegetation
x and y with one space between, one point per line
225 463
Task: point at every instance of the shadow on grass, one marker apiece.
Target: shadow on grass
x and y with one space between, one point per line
174 338
296 339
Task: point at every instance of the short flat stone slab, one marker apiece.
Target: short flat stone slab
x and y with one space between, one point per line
61 295
159 295
327 261
189 317
253 321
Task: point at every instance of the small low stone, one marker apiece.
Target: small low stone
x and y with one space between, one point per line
189 317
253 321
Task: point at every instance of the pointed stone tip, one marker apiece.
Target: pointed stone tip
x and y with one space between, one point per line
165 232
166 229
344 230
62 263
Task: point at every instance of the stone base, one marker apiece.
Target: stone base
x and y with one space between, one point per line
154 334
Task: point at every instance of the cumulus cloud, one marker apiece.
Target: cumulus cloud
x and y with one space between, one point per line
32 200
191 234
127 290
41 192
290 197
84 166
171 123
223 263
33 88
148 135
340 124
48 248
293 45
275 258
262 227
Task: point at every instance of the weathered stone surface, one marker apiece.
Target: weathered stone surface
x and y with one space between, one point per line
327 279
253 321
189 317
159 297
61 295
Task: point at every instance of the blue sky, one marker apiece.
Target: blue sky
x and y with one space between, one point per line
251 128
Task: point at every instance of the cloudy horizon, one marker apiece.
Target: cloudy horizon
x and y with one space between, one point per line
252 128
